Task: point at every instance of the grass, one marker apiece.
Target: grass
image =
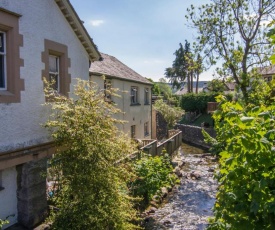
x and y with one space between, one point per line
203 118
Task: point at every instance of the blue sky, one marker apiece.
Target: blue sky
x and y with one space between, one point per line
143 34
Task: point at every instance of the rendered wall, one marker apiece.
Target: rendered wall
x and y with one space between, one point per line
134 114
8 201
20 123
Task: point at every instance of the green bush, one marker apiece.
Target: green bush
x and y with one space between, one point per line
93 188
246 195
171 114
153 173
196 102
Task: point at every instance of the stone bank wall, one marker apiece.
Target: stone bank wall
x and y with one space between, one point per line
193 134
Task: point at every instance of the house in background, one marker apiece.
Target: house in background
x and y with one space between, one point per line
37 39
135 91
267 72
202 87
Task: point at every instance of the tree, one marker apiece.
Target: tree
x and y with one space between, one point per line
93 187
198 70
234 31
165 89
185 68
216 85
271 35
179 72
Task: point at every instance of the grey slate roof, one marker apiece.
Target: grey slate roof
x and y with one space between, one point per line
112 67
269 70
183 89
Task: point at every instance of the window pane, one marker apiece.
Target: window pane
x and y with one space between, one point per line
54 71
134 93
2 71
2 43
53 62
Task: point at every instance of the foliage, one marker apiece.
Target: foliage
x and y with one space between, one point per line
155 88
196 102
164 89
245 199
93 190
235 32
184 67
261 92
271 35
153 173
170 113
3 222
216 85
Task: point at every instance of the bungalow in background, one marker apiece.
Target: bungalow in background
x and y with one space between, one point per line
37 39
267 72
135 91
202 87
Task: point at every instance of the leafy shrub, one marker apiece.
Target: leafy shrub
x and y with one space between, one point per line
246 195
171 114
93 188
153 173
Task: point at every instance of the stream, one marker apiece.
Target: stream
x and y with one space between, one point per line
190 204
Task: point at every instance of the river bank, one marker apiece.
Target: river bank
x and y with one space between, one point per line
190 204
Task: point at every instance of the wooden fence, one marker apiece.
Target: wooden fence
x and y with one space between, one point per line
170 145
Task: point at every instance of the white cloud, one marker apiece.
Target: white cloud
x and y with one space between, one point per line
96 22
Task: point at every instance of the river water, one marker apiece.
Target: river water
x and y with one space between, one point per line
190 204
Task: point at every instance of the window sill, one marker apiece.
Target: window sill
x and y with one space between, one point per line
135 104
146 103
5 93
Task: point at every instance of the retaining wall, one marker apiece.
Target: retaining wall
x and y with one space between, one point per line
193 134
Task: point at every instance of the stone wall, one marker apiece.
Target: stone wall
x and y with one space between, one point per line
193 134
31 193
161 126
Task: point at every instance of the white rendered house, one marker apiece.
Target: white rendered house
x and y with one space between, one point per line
135 92
41 38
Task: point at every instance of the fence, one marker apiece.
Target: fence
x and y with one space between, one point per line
154 148
170 145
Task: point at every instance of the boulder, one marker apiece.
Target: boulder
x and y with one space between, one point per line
195 174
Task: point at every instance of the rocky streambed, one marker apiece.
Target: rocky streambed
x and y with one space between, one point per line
190 204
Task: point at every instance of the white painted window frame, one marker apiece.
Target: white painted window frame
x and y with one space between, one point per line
134 95
56 73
